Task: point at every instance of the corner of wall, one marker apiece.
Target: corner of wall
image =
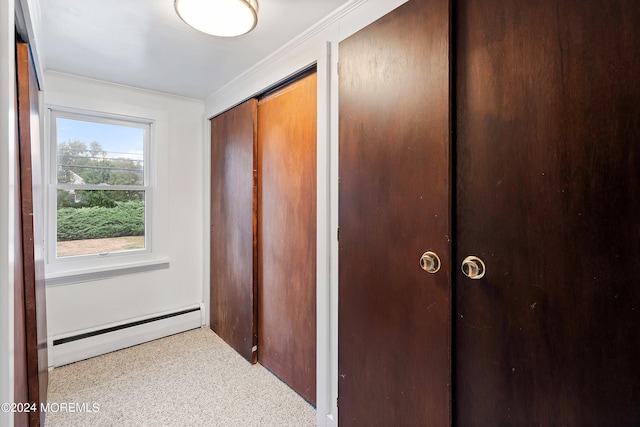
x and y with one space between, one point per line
7 133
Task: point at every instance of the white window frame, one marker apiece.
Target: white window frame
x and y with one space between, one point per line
99 261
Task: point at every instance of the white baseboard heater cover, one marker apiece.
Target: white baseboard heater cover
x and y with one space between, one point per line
82 345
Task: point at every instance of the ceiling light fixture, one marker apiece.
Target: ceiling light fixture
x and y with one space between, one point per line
223 18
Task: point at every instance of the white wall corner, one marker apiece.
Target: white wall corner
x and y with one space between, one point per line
7 188
203 315
206 212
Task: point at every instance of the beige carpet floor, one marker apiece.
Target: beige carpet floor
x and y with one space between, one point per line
189 379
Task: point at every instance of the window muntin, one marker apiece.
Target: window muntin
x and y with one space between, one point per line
100 186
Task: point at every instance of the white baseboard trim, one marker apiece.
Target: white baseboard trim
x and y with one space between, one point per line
80 345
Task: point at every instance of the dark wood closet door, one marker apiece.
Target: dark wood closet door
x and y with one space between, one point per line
394 318
31 330
233 228
21 382
548 174
287 238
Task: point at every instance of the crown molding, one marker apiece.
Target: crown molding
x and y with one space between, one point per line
293 44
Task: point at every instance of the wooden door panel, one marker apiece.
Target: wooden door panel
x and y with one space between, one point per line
21 383
233 228
394 318
32 219
287 236
548 162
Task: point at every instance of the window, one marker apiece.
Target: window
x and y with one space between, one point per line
99 186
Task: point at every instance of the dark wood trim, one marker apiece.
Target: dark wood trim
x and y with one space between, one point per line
32 215
21 388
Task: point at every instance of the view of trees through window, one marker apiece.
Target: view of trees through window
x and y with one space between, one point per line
100 187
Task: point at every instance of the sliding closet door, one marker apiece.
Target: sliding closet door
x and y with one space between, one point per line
233 228
21 381
287 234
394 317
31 330
548 174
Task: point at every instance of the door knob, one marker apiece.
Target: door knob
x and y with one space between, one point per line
473 267
430 262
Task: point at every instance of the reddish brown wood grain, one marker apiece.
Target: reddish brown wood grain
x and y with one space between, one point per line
32 219
233 228
548 167
21 389
287 234
394 318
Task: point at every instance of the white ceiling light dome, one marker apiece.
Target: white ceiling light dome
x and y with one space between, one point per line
223 18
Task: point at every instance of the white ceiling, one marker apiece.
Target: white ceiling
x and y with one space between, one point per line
143 43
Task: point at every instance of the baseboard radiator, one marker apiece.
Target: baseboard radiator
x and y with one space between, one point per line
80 345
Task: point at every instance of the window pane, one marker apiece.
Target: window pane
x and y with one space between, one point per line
99 153
99 221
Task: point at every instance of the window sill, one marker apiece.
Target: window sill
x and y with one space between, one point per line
61 278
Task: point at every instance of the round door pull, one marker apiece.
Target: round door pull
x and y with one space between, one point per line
430 262
473 267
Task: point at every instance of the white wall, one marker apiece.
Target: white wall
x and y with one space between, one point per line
318 45
178 210
7 183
